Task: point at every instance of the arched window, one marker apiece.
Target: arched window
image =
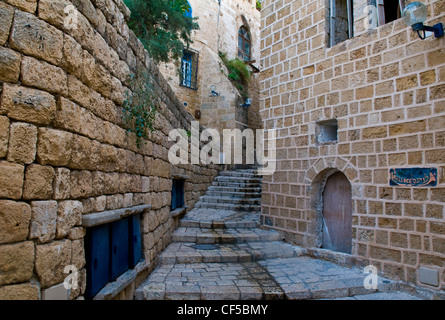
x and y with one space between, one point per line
244 44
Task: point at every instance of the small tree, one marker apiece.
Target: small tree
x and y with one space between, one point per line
162 26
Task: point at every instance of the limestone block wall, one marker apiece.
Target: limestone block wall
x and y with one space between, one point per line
64 149
386 89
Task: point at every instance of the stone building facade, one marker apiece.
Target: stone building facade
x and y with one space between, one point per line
220 22
357 108
67 163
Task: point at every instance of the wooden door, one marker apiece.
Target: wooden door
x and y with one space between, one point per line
337 214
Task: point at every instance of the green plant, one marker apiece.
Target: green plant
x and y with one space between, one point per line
139 107
239 73
163 26
258 4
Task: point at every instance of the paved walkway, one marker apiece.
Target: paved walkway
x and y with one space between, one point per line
219 252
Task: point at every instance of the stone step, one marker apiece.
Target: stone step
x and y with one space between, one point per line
211 236
296 278
234 194
228 206
233 189
239 201
239 174
218 224
219 219
237 185
183 252
238 179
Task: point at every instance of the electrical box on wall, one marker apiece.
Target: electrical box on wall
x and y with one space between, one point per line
429 276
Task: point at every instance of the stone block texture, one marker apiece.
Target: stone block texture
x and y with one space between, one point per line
64 149
384 86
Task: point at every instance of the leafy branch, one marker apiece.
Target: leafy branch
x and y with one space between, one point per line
163 26
139 107
239 73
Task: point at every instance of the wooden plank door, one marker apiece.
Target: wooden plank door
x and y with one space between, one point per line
337 214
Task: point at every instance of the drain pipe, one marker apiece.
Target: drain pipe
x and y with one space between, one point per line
217 26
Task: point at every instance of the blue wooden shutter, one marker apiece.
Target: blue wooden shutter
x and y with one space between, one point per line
135 241
97 252
174 196
180 199
177 194
189 12
119 248
186 69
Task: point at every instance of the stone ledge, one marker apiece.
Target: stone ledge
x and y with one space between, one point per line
179 212
180 176
98 218
113 288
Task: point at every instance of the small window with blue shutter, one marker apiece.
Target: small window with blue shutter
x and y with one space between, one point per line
177 194
110 250
189 69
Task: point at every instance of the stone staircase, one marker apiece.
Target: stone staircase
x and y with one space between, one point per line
219 252
238 190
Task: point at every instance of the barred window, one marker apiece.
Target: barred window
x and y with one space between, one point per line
189 69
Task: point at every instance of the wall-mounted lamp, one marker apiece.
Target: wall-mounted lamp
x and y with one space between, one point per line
415 15
213 93
247 103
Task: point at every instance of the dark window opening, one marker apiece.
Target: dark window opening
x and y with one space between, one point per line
244 44
110 250
389 10
189 69
178 200
327 131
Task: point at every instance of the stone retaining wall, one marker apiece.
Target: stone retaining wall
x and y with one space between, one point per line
64 149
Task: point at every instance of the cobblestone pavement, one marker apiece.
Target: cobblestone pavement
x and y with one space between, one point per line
219 253
249 269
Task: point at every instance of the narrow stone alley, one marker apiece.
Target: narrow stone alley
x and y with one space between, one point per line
219 252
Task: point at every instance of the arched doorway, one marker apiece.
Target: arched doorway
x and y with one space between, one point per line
337 214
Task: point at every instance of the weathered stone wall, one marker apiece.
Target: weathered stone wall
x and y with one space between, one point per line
64 149
223 111
386 88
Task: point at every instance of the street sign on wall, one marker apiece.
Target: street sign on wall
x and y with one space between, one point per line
413 177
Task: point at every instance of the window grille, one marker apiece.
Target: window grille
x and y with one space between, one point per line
189 69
